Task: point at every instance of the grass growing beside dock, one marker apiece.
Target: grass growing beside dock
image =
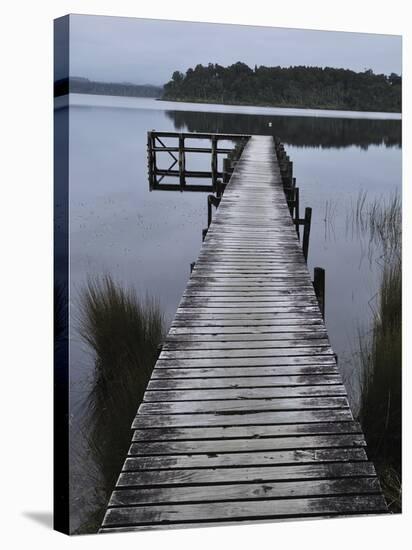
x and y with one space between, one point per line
381 353
124 333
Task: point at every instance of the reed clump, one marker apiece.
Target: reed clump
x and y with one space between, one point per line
124 333
380 221
380 404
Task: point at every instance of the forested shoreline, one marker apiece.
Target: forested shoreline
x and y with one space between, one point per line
294 87
299 87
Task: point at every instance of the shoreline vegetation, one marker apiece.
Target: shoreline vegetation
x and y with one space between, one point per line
298 87
124 333
292 87
379 353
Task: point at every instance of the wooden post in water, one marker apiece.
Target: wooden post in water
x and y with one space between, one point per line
226 170
290 173
306 232
319 287
214 161
159 350
211 201
151 160
297 209
182 161
209 212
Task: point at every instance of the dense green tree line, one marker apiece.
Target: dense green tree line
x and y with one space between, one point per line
305 87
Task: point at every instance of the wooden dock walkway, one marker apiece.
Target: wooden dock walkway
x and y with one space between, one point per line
245 417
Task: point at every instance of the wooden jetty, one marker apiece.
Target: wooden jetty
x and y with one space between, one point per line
245 417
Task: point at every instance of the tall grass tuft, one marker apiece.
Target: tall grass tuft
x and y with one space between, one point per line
381 353
381 221
124 333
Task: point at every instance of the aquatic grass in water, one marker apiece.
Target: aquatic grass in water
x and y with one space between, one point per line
380 221
380 352
380 403
124 334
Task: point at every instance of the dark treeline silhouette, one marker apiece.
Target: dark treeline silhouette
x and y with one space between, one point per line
299 131
79 85
305 87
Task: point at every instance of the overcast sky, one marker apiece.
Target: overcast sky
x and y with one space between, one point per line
146 51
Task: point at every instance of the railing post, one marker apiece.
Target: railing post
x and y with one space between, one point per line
182 161
226 170
290 173
211 200
214 162
306 232
209 212
159 350
297 209
319 287
150 159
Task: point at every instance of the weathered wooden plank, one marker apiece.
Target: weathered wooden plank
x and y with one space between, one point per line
198 335
237 362
223 445
246 474
232 295
254 458
240 418
252 382
256 253
237 303
255 282
274 289
274 322
228 334
245 393
251 432
236 405
298 315
250 491
259 272
288 254
274 352
273 255
279 265
285 309
287 270
337 505
181 344
164 372
288 278
254 243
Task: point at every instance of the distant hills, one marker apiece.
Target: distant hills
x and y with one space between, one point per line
80 85
301 87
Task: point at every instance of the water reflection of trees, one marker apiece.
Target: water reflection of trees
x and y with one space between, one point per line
295 130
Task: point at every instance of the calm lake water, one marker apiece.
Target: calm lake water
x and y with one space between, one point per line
148 239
